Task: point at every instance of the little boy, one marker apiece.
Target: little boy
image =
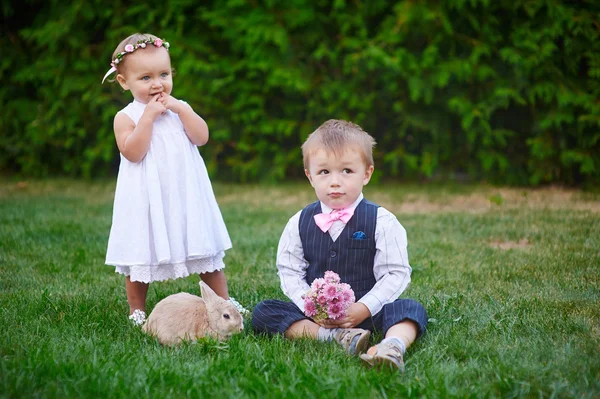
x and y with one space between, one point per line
359 240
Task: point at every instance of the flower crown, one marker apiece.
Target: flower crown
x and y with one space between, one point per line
130 48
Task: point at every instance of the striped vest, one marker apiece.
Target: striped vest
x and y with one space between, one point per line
349 256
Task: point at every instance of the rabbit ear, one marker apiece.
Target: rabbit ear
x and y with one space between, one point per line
207 293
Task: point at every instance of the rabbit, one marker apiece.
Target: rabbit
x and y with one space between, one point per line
185 316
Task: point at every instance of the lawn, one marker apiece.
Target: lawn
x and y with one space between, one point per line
510 278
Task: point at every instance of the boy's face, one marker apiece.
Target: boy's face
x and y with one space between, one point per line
147 73
338 180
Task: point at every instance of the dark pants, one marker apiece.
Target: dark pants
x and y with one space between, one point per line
275 317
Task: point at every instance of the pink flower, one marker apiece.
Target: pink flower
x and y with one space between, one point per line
335 311
347 293
317 284
330 291
157 42
321 299
332 277
310 309
129 48
346 296
328 298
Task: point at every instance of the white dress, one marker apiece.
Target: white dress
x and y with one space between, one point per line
166 222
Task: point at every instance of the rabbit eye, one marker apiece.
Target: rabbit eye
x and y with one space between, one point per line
226 316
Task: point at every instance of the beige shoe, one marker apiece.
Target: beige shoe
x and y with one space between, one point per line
354 340
386 354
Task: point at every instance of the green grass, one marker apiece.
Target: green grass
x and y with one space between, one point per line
510 278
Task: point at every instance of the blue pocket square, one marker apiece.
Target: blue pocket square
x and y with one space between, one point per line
359 235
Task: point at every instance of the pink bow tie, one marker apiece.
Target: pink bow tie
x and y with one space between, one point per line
325 220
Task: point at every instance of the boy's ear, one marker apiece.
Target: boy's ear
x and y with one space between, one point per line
307 173
368 174
122 81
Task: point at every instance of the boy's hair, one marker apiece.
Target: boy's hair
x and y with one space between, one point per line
335 136
133 39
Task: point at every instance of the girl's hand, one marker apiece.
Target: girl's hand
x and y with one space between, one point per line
356 314
170 102
155 108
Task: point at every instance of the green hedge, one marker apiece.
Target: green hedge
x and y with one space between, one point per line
502 91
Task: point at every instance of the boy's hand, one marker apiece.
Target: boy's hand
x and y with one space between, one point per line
170 103
356 314
155 108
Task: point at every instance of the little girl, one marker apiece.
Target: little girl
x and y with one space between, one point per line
166 222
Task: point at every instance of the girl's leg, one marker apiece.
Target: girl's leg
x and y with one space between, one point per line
136 294
217 282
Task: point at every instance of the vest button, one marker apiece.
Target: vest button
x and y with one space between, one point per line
333 254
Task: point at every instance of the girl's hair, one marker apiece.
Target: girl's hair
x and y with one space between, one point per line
133 39
335 136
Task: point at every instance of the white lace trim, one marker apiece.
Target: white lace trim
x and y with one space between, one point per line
149 274
243 311
138 317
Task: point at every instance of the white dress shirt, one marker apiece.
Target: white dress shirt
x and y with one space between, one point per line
391 268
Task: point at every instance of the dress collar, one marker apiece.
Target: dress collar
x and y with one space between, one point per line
138 103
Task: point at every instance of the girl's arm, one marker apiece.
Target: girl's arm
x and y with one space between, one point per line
195 127
134 141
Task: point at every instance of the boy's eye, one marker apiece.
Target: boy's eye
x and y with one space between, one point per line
146 78
346 170
164 74
323 172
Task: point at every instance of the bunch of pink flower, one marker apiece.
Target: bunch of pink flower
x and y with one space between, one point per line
328 298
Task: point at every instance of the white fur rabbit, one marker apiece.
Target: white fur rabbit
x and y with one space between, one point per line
185 316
